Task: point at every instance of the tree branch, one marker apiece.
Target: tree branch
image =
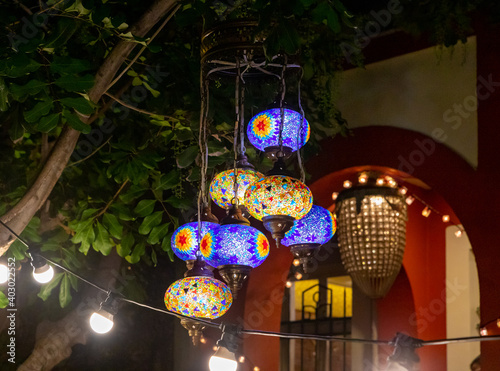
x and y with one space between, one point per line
19 216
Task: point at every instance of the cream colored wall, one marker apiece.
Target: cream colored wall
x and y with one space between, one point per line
420 92
462 296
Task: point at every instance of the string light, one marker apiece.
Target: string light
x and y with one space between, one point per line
347 184
42 272
335 195
426 211
4 274
380 181
288 284
410 200
459 233
224 358
102 320
363 178
446 218
296 262
402 191
298 275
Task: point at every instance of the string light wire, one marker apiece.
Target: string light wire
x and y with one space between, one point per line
281 335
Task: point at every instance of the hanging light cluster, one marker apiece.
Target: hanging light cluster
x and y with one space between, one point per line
372 232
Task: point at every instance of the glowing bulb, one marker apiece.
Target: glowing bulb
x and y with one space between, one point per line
335 195
288 284
380 181
377 200
256 368
426 212
101 321
223 360
409 200
402 191
459 233
347 184
241 359
43 274
363 178
498 323
484 332
4 273
203 340
298 275
296 262
446 218
390 181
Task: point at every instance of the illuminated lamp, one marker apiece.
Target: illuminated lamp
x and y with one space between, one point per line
198 295
222 187
309 233
235 249
263 131
278 200
372 235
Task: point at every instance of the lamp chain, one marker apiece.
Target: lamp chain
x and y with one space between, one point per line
282 108
237 124
203 147
299 133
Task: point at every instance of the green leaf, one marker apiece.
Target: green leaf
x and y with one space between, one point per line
49 122
150 222
47 289
40 109
85 236
19 65
157 233
66 27
81 105
187 157
154 258
75 83
180 203
139 251
16 130
4 301
31 88
113 225
75 122
67 65
102 242
132 193
125 247
65 291
122 211
145 207
168 181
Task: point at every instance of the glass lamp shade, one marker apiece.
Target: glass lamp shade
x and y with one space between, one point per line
372 236
222 186
278 195
235 244
264 129
185 239
199 297
317 227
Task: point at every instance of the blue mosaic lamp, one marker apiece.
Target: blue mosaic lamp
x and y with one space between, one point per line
263 131
235 249
185 239
316 228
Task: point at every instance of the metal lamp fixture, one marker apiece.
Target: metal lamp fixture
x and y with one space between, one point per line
235 248
278 200
372 233
309 233
198 295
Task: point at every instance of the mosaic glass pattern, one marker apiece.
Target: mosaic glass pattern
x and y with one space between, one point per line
185 239
278 195
263 129
317 227
222 186
235 244
199 297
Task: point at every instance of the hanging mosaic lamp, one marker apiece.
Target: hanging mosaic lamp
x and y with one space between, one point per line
235 249
372 234
278 200
222 186
263 131
198 295
316 228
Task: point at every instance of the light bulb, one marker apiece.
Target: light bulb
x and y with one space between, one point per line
347 184
203 340
363 178
298 275
101 321
43 274
446 218
380 181
377 200
390 181
484 332
4 273
288 284
335 195
223 360
458 233
402 191
241 359
296 262
426 212
409 200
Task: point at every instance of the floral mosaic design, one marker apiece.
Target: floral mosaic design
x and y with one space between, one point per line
222 186
185 239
